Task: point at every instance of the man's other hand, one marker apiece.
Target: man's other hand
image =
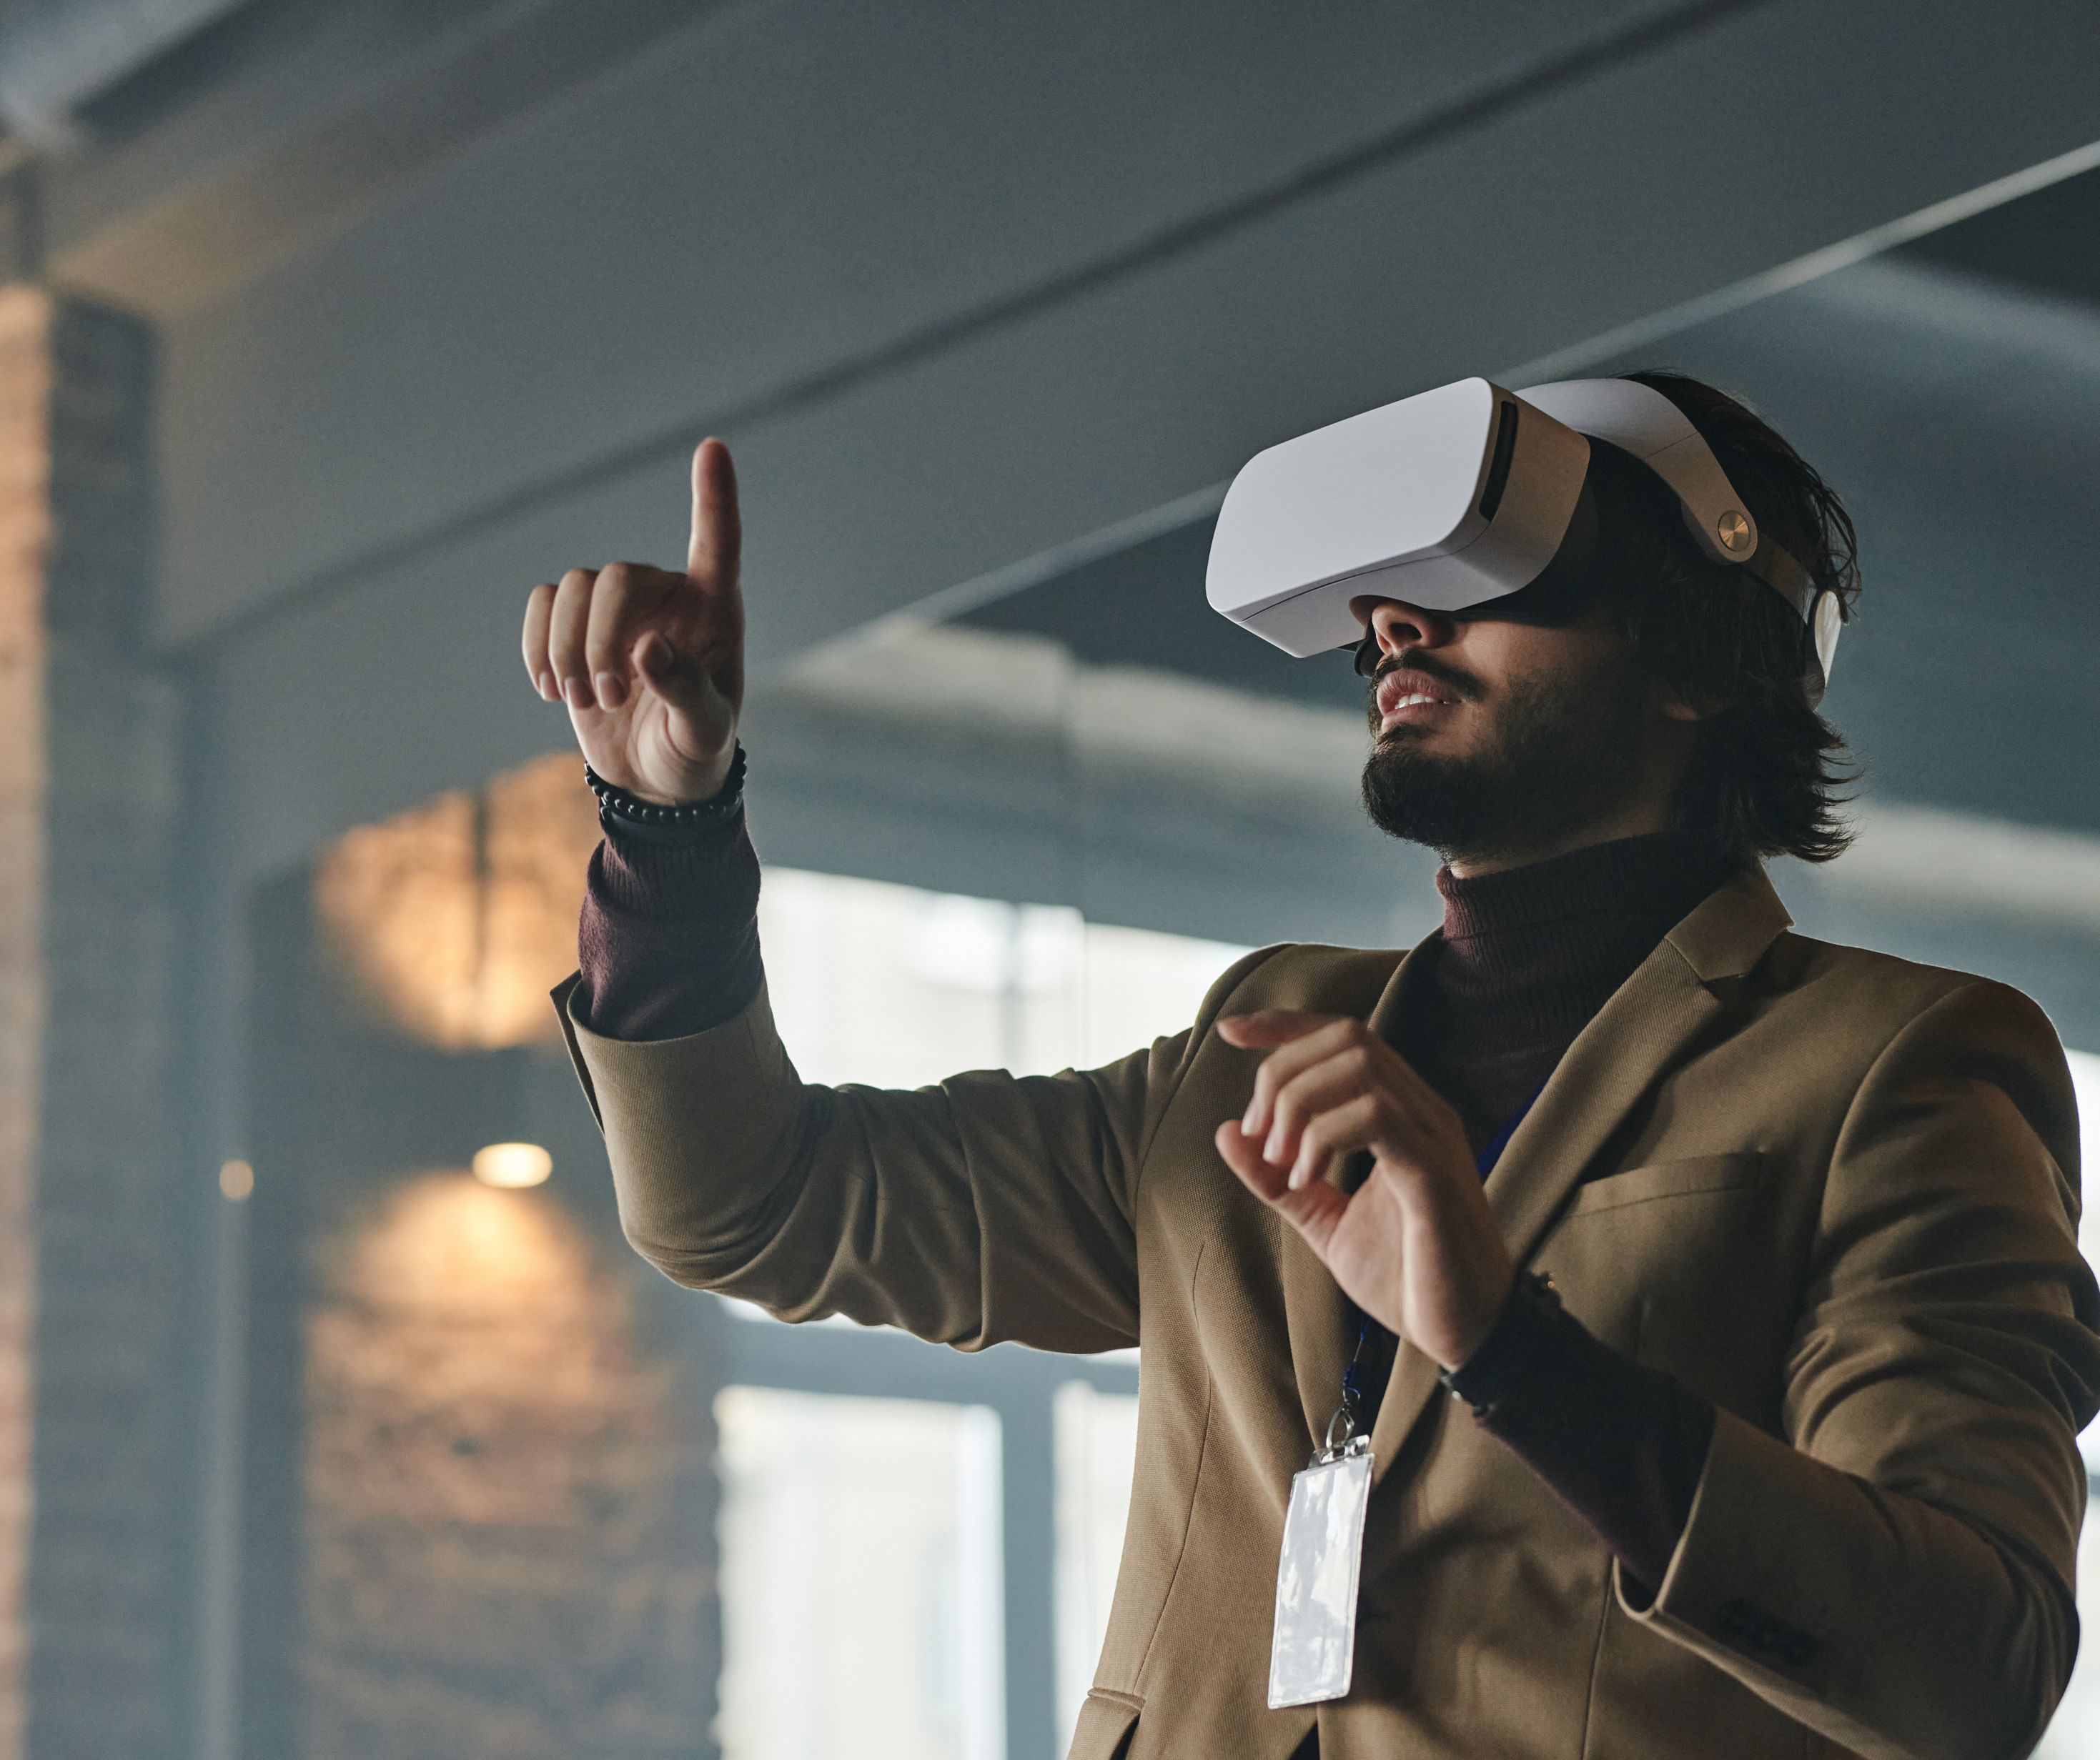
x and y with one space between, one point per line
650 662
1416 1247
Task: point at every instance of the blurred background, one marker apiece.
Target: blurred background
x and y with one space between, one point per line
335 1418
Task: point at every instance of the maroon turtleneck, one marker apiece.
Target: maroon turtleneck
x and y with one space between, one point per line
1527 956
669 946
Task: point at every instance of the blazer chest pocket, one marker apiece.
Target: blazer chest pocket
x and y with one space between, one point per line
1669 1262
1663 1180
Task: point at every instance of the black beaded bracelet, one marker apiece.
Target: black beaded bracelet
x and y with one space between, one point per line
1485 1377
630 813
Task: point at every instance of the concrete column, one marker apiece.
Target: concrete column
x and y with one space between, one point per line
88 1253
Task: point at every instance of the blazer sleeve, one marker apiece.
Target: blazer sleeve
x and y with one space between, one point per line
1895 1572
986 1209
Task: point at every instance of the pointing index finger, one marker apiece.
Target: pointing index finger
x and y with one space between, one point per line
717 544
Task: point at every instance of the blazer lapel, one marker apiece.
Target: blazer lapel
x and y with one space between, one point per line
1637 1036
1317 1315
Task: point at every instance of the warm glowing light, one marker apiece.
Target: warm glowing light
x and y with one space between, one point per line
446 1244
455 918
513 1164
236 1179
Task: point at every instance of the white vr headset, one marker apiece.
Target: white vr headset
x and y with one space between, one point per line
1460 495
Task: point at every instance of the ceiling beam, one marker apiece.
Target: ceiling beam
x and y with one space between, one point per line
382 447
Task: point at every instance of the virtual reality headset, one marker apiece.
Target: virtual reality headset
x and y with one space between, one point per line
1462 495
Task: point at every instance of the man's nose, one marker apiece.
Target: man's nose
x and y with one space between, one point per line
1400 626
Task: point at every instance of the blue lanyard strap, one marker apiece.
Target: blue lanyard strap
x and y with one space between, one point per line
1363 1381
1485 1160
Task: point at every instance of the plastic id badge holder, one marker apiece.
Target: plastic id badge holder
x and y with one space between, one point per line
1313 1652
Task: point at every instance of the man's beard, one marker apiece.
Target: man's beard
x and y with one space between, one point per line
1563 750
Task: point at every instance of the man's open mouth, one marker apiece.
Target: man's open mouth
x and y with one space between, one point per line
1410 689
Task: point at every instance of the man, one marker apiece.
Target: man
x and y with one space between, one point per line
1782 1461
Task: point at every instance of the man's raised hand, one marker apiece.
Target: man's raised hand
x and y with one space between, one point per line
1416 1247
651 662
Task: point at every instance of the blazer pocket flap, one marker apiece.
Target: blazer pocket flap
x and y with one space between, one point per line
1671 1179
1106 1720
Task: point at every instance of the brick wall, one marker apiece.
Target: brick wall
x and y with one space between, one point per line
491 1470
478 1496
88 786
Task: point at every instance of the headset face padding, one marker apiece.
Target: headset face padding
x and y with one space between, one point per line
1461 495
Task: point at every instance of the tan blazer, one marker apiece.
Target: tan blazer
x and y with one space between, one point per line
1834 1192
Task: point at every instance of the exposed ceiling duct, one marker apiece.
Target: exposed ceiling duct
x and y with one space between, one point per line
56 54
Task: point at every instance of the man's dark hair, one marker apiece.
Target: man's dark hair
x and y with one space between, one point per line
1764 779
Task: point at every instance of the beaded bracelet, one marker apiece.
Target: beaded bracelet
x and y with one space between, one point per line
631 812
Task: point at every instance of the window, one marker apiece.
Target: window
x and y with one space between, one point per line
902 1561
860 1578
1097 1435
894 986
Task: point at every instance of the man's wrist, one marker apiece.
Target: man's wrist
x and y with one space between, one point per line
1495 1364
711 786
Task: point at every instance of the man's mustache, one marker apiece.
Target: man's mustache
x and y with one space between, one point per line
1420 660
1416 660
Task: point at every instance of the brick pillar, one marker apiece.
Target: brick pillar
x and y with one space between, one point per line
24 529
87 1233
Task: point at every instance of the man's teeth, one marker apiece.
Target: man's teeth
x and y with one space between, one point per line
1419 697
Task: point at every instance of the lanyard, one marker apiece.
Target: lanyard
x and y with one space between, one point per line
1363 1381
1312 1643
